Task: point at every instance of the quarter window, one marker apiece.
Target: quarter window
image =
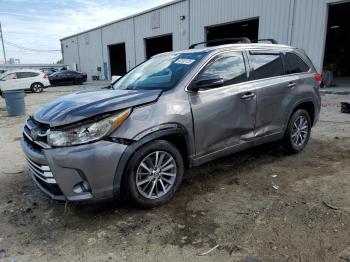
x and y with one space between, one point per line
229 67
266 65
294 64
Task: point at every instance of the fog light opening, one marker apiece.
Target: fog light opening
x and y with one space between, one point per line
81 187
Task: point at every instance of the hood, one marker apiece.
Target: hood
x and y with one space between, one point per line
75 107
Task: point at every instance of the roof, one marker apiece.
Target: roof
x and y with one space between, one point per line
234 46
125 18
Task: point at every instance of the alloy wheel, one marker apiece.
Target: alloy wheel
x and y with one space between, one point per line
300 131
156 175
37 88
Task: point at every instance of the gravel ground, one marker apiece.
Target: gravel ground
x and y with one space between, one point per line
257 205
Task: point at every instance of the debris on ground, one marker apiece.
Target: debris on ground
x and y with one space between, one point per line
345 107
2 253
209 251
330 206
274 186
274 174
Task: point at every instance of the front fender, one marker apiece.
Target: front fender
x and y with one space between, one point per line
144 138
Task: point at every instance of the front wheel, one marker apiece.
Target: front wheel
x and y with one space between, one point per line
37 87
298 131
154 174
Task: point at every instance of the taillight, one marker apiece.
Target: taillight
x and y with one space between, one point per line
46 76
318 78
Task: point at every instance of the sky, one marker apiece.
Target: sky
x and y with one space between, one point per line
39 24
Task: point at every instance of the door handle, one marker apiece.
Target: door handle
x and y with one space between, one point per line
292 85
248 95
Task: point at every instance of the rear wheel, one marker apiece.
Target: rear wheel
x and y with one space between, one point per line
37 87
154 173
298 131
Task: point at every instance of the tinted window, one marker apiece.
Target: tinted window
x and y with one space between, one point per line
26 74
230 67
294 64
266 65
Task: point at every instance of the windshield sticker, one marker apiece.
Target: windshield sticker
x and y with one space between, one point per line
184 61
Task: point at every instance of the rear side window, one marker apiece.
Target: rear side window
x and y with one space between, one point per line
26 74
294 64
230 67
266 65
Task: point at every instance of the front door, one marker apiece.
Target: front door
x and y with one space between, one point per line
10 82
224 116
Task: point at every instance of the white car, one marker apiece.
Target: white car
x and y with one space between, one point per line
24 79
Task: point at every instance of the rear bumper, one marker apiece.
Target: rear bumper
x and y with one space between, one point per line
59 171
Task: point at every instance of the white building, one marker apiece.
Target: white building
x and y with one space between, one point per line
320 27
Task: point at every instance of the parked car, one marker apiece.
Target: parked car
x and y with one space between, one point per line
49 71
26 79
67 77
175 111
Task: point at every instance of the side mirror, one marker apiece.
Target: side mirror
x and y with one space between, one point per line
115 78
206 82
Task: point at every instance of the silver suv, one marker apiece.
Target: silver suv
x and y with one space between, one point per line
172 112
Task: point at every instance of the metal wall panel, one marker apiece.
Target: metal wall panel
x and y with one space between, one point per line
121 32
70 52
90 52
301 23
170 23
309 28
273 16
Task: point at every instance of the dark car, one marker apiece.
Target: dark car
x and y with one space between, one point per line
49 71
67 77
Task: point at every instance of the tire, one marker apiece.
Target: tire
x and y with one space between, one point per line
161 185
298 132
37 87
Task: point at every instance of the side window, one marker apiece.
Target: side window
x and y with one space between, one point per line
26 74
266 65
32 74
294 64
10 77
230 67
23 74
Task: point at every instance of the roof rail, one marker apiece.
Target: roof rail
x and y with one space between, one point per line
233 40
271 40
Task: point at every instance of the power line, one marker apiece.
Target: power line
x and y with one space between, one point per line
31 49
2 41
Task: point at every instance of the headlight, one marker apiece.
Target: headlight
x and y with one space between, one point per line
87 132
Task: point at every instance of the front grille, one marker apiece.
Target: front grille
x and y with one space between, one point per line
52 188
35 134
41 172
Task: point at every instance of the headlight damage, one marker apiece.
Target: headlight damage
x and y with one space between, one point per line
87 133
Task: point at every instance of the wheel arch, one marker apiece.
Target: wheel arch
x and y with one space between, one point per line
306 104
173 133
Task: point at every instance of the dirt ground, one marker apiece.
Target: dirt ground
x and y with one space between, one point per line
258 205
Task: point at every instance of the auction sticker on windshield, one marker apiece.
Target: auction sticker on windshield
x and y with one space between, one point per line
184 61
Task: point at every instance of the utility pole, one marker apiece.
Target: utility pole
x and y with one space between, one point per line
2 41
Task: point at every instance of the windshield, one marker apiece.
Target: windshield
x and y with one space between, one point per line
160 72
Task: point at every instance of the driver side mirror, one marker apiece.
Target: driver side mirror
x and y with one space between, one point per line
206 82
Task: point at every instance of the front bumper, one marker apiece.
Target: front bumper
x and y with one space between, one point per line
57 171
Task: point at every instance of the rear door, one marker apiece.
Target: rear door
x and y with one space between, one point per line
26 79
225 116
275 91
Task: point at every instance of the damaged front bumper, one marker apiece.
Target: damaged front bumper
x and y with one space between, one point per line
79 173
